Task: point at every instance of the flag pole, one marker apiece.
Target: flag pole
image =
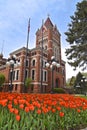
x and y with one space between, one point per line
42 60
26 54
28 33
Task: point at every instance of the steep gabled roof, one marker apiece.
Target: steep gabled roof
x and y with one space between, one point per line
48 23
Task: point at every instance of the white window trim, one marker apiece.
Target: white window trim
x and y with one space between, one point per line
32 61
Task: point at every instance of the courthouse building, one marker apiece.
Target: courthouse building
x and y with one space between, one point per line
34 68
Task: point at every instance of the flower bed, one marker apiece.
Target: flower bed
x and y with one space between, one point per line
42 111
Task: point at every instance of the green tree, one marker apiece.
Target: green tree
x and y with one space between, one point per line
84 74
77 37
78 79
2 80
67 83
78 85
28 83
72 81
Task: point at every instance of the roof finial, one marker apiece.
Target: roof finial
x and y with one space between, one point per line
48 15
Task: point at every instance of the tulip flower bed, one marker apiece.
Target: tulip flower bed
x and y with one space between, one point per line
42 112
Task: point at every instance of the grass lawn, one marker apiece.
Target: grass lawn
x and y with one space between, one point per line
84 96
81 95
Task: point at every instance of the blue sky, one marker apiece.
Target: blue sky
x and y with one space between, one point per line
14 15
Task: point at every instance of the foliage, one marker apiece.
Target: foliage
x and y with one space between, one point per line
78 79
77 37
72 81
28 86
80 83
59 90
67 83
42 111
28 82
2 79
84 74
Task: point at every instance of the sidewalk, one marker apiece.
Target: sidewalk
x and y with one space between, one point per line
84 128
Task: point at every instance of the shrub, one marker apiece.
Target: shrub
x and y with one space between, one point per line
59 90
2 79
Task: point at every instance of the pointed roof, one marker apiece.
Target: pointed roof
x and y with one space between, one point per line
48 23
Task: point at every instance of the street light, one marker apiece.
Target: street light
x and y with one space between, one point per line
83 81
12 62
52 64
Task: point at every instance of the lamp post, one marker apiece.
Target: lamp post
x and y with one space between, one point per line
52 64
83 81
12 62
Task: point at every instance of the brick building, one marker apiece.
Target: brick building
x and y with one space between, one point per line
51 47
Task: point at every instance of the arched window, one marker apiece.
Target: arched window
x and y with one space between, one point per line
27 63
33 62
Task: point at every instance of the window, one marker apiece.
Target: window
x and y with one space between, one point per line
13 75
33 63
44 63
33 74
26 74
44 75
27 63
17 74
16 87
